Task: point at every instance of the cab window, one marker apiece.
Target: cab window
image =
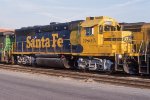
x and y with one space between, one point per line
107 28
113 28
110 28
89 31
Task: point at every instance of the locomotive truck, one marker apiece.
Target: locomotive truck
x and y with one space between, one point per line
97 43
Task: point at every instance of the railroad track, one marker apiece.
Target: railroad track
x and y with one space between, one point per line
126 81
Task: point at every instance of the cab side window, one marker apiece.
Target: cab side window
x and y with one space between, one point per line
89 31
107 28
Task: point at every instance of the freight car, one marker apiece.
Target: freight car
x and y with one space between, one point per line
97 43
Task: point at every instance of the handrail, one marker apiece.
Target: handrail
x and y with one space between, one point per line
147 43
140 47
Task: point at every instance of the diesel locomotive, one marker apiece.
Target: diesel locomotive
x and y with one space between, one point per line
97 43
6 39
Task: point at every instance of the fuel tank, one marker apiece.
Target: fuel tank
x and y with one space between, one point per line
50 62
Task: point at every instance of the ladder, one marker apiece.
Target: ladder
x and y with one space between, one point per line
144 64
144 61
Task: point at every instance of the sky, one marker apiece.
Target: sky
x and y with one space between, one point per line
24 13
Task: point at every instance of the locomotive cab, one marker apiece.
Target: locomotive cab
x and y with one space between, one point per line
102 36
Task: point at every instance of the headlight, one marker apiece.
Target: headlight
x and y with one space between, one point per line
120 56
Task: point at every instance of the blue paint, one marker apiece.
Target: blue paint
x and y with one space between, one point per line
64 34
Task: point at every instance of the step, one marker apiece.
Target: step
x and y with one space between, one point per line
144 66
143 61
120 64
144 73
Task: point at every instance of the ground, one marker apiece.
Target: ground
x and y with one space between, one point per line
27 86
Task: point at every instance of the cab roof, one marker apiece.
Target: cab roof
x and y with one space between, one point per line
101 20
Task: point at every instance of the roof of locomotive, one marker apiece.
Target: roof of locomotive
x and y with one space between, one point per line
146 26
49 28
5 31
135 27
99 20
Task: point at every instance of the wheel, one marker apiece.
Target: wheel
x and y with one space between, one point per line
112 69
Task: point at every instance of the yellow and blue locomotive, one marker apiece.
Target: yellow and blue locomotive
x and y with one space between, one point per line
97 43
